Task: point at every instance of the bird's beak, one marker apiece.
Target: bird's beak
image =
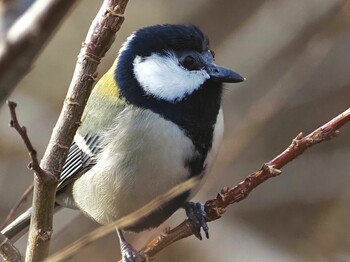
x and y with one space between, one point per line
223 74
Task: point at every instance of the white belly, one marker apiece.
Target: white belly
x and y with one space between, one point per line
149 161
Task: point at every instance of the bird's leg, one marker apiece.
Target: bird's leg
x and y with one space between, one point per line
196 212
129 254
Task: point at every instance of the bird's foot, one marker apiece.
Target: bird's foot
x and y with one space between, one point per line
129 254
196 212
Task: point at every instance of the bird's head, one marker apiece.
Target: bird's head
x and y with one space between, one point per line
168 63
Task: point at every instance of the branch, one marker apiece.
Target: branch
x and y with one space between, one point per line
26 38
99 39
43 179
22 131
8 251
215 208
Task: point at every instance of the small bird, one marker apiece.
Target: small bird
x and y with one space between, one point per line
153 121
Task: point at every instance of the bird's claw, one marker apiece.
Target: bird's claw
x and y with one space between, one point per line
196 212
129 254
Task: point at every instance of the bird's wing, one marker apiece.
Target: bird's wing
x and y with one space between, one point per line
104 105
81 157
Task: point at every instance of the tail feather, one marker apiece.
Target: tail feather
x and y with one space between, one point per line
18 227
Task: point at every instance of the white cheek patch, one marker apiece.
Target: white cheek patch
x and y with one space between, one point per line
163 77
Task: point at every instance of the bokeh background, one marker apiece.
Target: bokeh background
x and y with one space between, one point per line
296 58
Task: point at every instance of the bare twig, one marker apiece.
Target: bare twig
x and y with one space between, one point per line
26 38
8 251
215 208
13 210
22 131
99 39
43 180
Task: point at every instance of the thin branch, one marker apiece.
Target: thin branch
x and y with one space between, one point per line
8 251
14 209
99 39
26 38
215 208
22 131
43 181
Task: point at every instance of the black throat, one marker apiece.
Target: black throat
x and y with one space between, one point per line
196 114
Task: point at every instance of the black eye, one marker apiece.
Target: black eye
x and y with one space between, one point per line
189 62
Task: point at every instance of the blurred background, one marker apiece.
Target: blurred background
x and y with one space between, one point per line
296 58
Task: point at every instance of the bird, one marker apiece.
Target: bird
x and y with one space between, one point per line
153 121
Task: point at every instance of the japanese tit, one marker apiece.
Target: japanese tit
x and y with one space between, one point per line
153 121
